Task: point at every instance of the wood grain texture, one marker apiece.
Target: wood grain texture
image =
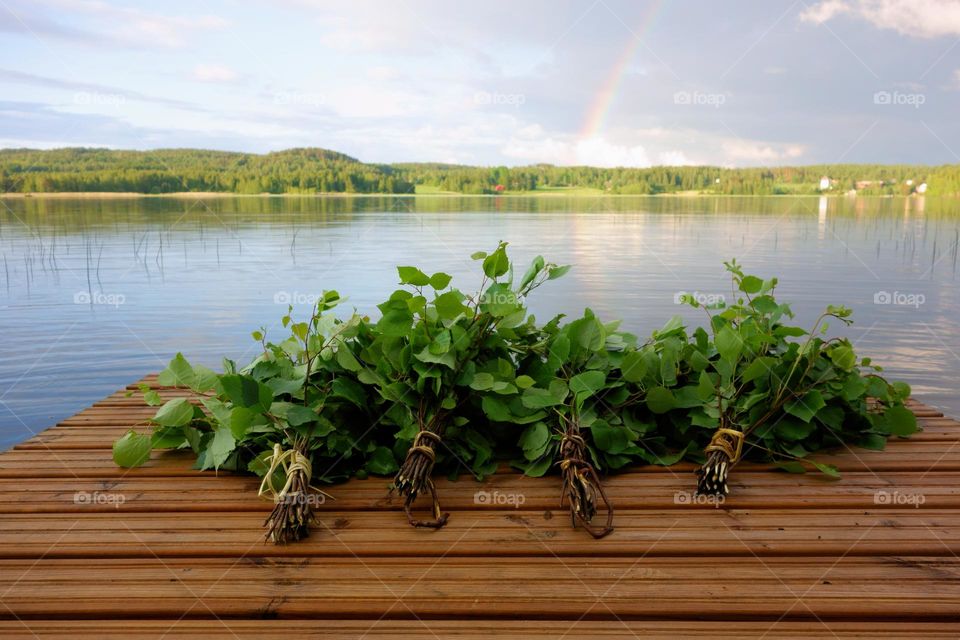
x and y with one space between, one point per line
88 550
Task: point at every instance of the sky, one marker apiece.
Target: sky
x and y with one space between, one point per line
599 82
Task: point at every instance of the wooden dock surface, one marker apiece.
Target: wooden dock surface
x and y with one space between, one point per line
88 550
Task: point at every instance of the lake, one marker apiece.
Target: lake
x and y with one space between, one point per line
95 293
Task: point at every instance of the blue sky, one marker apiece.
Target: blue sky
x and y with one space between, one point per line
603 82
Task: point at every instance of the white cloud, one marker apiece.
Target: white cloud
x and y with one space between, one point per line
530 144
389 29
956 80
674 159
93 92
530 131
739 152
823 11
356 40
214 73
531 150
383 72
598 152
371 101
644 148
135 27
918 18
17 143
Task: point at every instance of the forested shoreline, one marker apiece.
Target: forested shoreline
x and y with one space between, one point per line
315 171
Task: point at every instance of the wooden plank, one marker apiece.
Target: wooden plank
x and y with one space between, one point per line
503 533
190 629
90 463
916 588
207 492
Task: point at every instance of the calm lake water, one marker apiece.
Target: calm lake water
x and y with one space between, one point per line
96 293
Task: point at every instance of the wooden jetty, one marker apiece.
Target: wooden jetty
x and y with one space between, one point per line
88 550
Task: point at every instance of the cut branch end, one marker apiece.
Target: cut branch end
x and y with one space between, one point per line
414 479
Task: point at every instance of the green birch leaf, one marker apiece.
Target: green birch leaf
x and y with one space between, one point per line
132 450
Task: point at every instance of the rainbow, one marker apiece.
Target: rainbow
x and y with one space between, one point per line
600 105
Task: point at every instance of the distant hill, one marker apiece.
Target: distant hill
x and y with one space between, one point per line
305 170
313 170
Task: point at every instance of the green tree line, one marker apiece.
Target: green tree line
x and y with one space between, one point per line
303 171
312 170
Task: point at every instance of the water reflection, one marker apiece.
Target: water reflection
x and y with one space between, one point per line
98 292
